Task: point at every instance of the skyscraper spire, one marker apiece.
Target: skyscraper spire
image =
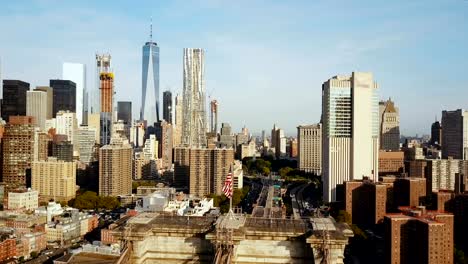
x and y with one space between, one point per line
151 29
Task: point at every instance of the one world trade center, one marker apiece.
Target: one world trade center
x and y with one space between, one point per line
150 82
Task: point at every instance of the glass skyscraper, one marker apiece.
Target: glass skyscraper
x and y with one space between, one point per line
150 83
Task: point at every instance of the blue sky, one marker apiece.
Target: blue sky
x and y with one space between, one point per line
265 60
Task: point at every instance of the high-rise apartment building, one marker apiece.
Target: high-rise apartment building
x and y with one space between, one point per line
441 174
419 236
309 144
389 125
194 116
164 135
115 167
66 124
167 106
36 106
14 98
54 179
436 133
391 162
201 170
50 99
350 113
42 142
64 92
455 134
18 149
365 201
178 114
137 134
150 82
76 72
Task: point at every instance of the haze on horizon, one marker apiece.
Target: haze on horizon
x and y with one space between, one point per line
265 60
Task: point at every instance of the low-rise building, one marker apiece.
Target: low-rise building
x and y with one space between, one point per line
24 199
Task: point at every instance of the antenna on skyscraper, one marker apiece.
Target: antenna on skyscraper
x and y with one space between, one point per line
151 29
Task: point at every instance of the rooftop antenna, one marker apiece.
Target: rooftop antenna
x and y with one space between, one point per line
151 29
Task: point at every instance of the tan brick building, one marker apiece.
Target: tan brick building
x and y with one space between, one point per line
54 179
309 148
115 168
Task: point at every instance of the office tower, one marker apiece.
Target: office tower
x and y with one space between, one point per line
115 167
178 119
76 72
36 106
419 236
309 144
293 150
214 116
42 142
389 125
150 82
273 140
194 117
124 112
167 106
63 150
365 201
455 134
54 179
226 138
441 174
66 124
350 113
280 143
391 162
14 98
18 149
164 136
50 99
436 133
86 140
94 122
64 92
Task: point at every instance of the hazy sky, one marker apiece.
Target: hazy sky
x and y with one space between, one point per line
265 60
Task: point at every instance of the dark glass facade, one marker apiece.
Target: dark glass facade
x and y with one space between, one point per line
64 96
14 98
167 106
124 112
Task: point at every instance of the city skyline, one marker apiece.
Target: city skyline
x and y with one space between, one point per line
390 48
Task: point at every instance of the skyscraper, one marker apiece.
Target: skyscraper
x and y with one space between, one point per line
124 112
310 148
350 113
194 116
115 167
36 106
389 125
167 106
50 99
436 133
178 114
150 82
18 149
106 86
76 73
14 98
64 92
455 134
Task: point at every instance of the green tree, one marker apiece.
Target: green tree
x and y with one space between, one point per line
459 256
34 254
108 202
283 172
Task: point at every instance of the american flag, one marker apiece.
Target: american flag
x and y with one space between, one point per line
228 186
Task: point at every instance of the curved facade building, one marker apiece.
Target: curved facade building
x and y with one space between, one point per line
150 83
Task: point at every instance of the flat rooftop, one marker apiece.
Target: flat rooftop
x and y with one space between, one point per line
86 257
